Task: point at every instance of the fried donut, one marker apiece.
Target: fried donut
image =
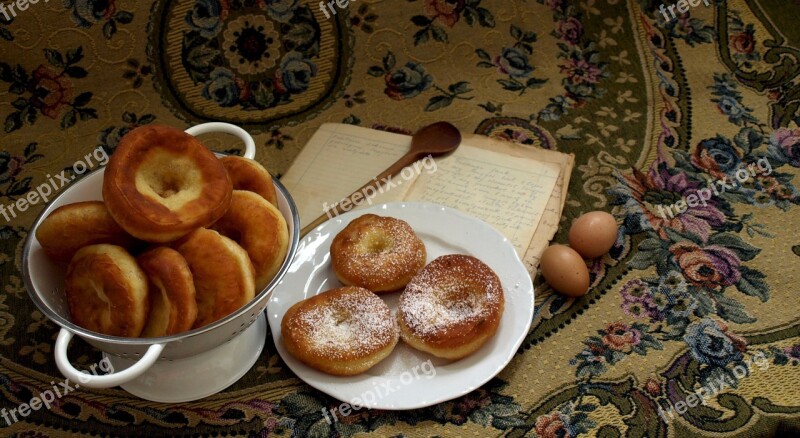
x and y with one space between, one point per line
343 331
222 272
71 227
259 227
379 253
173 308
107 291
452 307
250 175
162 183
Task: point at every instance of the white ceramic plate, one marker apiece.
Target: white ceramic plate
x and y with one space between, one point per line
410 379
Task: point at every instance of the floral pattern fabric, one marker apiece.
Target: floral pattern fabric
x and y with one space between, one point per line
685 127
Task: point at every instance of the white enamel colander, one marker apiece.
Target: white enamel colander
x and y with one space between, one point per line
44 280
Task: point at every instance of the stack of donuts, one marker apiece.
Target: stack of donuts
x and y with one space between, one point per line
448 308
180 240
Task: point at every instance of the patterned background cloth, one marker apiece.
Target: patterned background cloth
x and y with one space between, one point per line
655 108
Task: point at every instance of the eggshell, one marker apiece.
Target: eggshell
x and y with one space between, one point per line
564 270
593 234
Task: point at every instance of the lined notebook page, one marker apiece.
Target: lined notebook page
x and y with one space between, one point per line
548 225
509 193
337 161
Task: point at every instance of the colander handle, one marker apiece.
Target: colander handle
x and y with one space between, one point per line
227 128
104 381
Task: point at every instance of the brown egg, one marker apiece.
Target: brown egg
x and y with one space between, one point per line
564 270
593 234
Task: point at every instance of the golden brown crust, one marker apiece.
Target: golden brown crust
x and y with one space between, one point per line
343 331
107 291
259 227
161 183
71 227
379 253
223 275
173 308
250 175
452 307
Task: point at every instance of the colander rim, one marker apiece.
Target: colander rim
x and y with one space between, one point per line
52 315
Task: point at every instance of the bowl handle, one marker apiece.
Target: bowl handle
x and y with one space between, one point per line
104 381
207 128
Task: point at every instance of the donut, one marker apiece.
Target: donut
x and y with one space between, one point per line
173 308
161 184
259 228
107 291
223 275
71 227
342 332
250 175
378 253
452 307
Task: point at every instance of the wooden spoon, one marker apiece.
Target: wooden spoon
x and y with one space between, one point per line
437 139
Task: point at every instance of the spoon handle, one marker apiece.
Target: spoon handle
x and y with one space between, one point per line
394 169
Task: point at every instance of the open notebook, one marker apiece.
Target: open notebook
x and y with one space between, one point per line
518 190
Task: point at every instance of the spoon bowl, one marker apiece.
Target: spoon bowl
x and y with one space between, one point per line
436 139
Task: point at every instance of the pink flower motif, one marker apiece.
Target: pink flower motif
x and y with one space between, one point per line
742 42
785 145
571 30
551 426
709 267
54 91
111 8
449 11
651 191
787 137
793 352
653 387
621 337
10 166
579 70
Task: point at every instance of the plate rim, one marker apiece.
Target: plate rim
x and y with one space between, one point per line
318 233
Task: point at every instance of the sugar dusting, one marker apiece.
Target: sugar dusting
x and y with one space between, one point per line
453 291
353 323
384 248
